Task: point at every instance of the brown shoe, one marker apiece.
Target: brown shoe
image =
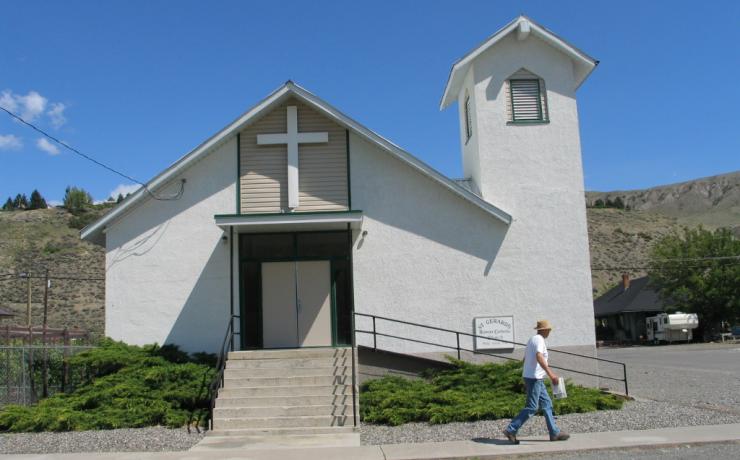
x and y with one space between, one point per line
511 436
562 436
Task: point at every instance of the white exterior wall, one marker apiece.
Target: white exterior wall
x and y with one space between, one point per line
535 172
167 268
433 258
469 147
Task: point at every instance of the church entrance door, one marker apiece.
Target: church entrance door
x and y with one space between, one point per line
296 304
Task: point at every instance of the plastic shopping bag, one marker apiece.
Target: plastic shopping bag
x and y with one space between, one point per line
558 391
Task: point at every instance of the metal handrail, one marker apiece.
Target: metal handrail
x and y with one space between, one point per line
459 349
218 380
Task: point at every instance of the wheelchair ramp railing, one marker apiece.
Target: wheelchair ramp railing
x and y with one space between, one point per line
394 330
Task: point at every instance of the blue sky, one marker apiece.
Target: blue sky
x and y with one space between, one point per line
137 84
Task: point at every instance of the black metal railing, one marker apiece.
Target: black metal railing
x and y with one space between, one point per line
460 349
218 380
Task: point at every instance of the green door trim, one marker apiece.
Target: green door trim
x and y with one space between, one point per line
294 258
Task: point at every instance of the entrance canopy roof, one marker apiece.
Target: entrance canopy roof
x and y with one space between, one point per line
290 222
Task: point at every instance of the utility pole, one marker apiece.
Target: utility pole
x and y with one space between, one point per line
28 302
45 370
47 284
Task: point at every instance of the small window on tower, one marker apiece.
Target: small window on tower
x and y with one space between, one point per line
527 98
468 119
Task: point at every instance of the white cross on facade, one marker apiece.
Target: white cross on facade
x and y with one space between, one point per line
292 138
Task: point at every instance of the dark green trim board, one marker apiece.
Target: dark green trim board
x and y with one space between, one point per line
349 174
306 213
231 271
528 122
238 173
338 254
333 296
351 284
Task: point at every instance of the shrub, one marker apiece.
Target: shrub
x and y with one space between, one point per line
77 200
121 386
467 392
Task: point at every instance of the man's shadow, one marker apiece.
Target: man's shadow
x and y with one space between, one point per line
503 442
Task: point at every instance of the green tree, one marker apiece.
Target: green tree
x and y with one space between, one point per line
619 203
20 202
37 201
599 203
699 270
77 200
119 199
8 206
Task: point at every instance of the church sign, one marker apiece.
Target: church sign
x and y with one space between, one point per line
494 332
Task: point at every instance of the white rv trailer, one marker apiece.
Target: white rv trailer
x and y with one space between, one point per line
673 327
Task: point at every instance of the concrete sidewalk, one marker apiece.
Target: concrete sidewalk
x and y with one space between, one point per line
476 448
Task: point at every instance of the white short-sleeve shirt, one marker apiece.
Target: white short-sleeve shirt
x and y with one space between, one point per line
532 369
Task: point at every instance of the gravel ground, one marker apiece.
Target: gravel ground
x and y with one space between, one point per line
675 386
155 439
681 385
636 415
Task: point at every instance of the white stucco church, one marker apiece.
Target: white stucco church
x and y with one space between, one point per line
295 215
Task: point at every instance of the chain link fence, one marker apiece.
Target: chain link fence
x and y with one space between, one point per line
32 372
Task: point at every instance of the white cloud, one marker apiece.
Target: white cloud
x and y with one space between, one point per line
32 106
56 115
7 101
10 142
124 189
54 202
47 146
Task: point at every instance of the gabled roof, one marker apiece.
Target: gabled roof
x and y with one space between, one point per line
524 26
638 297
289 89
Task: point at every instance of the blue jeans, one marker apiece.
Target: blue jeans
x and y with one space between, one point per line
537 397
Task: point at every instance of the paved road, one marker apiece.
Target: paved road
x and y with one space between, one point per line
706 358
698 375
720 451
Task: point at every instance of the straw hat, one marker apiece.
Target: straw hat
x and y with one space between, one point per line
543 324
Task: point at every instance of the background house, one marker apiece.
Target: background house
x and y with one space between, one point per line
621 312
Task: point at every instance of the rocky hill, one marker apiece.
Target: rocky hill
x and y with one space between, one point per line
623 238
710 201
619 239
33 241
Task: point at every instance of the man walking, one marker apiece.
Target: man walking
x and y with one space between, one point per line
535 369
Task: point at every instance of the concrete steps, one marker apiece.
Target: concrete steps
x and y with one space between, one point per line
300 421
262 372
301 394
304 390
283 411
249 382
266 401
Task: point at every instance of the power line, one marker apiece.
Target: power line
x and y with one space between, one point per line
698 259
676 267
176 196
51 277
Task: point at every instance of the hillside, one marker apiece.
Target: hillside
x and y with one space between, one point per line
40 239
35 240
710 201
621 238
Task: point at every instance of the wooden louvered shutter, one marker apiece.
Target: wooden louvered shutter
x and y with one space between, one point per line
526 100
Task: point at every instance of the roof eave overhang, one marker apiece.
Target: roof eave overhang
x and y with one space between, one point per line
94 231
462 65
